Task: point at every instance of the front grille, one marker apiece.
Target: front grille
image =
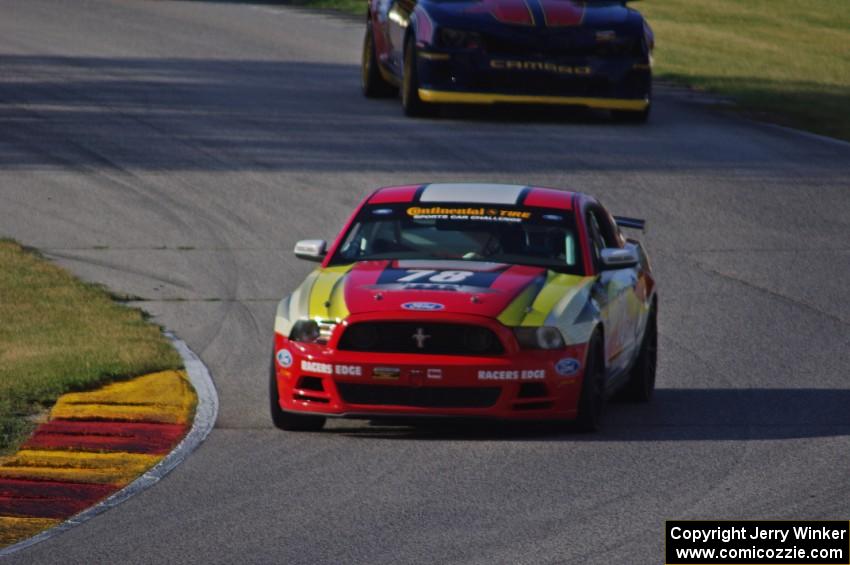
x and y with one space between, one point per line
422 397
426 338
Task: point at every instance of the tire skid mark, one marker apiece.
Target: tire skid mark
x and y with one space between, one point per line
94 444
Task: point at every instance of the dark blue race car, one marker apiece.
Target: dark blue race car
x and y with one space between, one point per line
596 54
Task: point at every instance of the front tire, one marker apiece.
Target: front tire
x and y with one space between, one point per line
289 421
641 382
372 83
412 105
592 399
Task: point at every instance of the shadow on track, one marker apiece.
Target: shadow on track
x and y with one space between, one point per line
78 113
673 415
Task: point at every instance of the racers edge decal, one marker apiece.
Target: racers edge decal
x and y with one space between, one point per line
518 375
567 367
329 369
284 358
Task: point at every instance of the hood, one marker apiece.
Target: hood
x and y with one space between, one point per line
514 294
527 13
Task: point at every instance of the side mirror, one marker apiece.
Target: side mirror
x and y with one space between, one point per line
614 258
311 249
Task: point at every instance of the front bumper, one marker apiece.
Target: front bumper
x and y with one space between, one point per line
475 77
517 385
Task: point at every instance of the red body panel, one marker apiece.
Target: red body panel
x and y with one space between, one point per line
363 293
562 13
556 399
506 11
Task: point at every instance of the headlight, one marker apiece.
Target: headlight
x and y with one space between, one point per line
458 39
544 337
305 331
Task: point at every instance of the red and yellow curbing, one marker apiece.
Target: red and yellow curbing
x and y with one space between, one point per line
94 444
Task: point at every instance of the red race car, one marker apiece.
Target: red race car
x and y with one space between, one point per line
472 300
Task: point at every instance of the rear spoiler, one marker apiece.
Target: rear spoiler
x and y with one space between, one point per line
634 223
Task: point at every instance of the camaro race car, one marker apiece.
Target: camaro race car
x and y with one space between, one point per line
594 53
504 301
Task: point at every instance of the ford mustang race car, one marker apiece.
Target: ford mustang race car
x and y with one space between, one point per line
594 53
503 301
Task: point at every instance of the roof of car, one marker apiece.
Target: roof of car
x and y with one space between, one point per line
475 193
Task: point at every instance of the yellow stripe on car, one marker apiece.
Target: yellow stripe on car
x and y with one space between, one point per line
448 97
559 289
326 297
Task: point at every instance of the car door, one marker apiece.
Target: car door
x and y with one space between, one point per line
614 292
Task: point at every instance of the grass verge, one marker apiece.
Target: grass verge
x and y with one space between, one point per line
782 61
59 334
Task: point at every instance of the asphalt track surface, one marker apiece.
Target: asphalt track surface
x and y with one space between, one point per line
175 151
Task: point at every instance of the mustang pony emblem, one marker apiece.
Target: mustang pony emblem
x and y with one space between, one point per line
420 337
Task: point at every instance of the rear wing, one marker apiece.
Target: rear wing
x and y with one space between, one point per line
633 223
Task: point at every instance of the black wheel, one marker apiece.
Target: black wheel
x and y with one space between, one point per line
641 382
591 403
371 81
410 101
288 420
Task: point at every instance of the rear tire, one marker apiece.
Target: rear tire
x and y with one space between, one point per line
289 421
412 105
372 83
641 382
592 399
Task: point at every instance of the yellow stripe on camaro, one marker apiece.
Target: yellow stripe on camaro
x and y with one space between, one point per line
448 97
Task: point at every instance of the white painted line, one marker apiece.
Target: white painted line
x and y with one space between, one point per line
205 415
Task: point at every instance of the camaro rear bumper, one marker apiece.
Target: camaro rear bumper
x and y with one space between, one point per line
614 83
517 385
450 97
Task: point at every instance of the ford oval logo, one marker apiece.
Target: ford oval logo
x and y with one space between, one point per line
423 306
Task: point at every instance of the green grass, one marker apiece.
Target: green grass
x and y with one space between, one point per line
59 334
783 61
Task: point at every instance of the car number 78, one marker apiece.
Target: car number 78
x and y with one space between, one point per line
439 277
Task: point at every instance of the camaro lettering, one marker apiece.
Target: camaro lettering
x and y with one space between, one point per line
513 65
512 375
316 367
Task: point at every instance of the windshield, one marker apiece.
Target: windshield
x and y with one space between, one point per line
529 236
